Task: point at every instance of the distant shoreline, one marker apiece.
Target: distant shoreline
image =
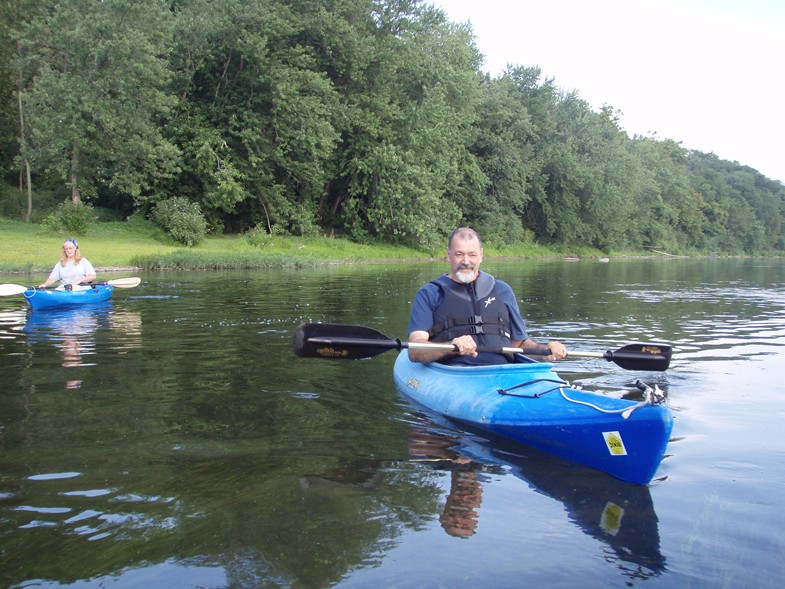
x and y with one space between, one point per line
355 262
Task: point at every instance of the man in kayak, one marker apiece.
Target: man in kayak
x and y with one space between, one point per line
72 269
468 308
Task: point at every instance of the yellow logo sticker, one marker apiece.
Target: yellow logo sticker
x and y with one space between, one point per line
332 353
615 443
651 350
610 520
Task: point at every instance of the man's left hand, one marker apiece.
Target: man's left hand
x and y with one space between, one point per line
558 351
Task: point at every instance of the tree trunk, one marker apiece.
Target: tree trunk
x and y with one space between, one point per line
27 163
75 196
267 216
29 192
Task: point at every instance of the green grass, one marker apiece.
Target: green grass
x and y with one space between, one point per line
28 248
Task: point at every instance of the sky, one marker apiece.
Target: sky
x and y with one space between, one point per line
709 74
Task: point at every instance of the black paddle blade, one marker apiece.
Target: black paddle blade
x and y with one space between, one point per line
655 357
341 342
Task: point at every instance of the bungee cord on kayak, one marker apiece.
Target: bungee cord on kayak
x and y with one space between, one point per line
652 396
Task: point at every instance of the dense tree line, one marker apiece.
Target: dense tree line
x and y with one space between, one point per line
366 118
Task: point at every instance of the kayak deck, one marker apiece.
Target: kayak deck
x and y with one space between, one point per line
529 403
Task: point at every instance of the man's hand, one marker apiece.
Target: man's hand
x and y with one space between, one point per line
558 351
465 345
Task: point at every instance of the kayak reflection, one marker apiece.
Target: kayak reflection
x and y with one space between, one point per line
73 331
621 515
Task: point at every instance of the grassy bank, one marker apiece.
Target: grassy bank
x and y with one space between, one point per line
27 248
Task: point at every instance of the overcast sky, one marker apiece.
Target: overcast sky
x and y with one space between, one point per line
706 73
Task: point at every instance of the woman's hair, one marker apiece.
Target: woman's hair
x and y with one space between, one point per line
77 255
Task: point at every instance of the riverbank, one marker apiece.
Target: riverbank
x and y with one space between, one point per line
115 246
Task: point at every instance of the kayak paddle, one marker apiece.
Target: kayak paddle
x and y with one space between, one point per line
6 290
15 289
129 282
353 342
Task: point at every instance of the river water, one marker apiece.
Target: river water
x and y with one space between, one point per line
170 438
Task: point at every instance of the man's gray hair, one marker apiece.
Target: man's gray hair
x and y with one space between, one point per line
463 233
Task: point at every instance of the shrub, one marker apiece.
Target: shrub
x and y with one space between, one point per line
12 203
258 237
181 219
105 215
70 217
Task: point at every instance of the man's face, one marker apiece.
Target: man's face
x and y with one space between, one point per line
465 256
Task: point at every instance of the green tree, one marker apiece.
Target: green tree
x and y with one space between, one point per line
13 130
504 148
258 126
404 160
736 206
97 95
668 211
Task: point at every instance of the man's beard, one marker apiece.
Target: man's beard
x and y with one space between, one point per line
465 274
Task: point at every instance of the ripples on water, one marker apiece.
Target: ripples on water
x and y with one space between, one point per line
170 438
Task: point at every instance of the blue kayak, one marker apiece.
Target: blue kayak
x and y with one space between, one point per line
40 298
529 403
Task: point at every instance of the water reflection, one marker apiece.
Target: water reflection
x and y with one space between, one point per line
199 452
11 321
620 515
459 517
73 331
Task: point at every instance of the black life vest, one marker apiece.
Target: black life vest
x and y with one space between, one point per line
472 309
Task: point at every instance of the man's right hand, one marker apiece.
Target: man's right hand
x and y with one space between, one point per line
465 345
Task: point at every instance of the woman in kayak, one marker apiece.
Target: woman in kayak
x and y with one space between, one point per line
72 269
469 308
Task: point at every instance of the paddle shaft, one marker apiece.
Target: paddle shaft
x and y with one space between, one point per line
395 344
352 342
16 289
130 282
400 345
